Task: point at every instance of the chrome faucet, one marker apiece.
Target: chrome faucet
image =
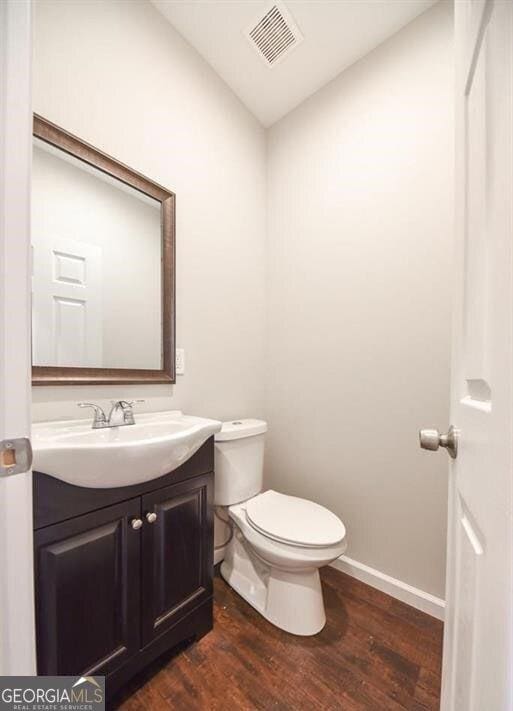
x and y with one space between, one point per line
121 413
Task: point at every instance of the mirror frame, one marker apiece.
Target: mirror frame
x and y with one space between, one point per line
61 375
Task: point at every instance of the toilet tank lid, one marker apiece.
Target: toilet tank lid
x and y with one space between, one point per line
237 429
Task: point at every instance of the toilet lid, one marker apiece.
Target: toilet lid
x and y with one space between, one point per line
289 519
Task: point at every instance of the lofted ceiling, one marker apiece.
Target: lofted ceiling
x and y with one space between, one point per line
336 34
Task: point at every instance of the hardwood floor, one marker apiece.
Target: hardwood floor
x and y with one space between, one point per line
374 653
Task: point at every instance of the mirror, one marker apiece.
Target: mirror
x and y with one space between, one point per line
103 267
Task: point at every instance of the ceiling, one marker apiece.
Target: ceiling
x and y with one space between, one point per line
336 34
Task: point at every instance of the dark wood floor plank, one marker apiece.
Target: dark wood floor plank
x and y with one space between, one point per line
396 631
351 588
375 654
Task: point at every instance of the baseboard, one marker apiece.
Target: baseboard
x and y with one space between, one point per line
419 599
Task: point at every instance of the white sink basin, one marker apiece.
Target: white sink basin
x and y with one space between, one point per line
118 456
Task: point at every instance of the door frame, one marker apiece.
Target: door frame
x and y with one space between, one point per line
17 626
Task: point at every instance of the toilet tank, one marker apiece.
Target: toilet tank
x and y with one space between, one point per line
239 461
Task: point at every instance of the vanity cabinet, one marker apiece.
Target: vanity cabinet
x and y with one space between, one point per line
122 575
88 591
175 542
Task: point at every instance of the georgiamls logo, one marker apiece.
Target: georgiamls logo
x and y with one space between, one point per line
32 692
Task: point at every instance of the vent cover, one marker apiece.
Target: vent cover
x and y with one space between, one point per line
274 34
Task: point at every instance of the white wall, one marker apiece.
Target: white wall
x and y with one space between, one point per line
116 74
71 203
359 251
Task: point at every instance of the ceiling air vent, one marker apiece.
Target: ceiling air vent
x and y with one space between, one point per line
274 34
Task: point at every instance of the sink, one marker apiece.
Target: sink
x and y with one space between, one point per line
118 456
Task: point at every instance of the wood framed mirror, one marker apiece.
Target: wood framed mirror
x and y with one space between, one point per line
103 244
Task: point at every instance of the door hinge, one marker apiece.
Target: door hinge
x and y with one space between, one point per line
15 456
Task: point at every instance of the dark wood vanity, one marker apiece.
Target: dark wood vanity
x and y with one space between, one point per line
116 586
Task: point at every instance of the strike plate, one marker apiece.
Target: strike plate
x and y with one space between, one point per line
15 456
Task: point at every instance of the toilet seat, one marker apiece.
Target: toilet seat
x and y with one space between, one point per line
294 521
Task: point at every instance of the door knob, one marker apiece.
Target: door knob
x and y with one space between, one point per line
432 440
136 523
151 517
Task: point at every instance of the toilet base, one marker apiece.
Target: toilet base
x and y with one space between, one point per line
291 600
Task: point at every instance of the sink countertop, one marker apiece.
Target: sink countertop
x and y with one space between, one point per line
157 444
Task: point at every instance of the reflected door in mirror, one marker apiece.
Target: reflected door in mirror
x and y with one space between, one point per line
67 309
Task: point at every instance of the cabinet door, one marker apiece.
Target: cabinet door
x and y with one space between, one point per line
177 560
88 592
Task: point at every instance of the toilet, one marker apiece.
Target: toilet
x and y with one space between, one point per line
279 542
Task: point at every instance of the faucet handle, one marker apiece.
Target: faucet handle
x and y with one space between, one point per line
99 415
126 408
128 412
96 408
125 403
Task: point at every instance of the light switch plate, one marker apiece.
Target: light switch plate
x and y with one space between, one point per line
180 361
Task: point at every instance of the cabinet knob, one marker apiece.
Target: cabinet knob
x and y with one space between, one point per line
151 517
136 523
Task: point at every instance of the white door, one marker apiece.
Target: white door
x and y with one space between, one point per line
67 303
17 645
478 660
